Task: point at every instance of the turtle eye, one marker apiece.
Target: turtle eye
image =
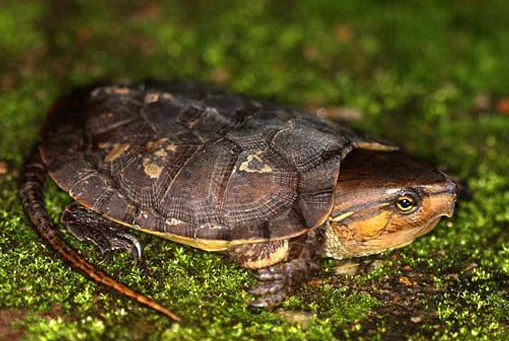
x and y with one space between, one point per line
406 203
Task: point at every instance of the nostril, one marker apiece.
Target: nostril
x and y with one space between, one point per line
452 186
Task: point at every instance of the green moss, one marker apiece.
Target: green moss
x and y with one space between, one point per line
19 32
425 74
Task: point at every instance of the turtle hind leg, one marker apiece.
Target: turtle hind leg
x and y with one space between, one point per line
280 266
106 235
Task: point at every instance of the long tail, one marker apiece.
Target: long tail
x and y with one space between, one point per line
32 197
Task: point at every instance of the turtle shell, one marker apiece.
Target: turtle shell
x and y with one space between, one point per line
196 165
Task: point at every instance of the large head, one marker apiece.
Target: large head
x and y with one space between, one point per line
385 201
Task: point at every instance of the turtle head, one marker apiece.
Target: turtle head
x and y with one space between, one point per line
385 201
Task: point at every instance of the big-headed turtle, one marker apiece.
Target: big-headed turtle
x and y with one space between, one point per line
274 188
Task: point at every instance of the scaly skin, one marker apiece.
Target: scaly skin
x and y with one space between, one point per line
32 197
277 282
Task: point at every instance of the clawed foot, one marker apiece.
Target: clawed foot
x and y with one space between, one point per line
276 283
88 226
272 288
116 241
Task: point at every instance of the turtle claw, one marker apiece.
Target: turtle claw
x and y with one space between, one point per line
130 244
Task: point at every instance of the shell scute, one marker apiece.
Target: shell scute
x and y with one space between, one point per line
260 188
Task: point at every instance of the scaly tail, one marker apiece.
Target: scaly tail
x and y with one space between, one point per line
32 197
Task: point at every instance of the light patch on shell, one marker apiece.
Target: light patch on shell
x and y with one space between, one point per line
211 226
104 145
151 97
152 170
160 153
117 151
207 226
120 90
172 148
255 164
158 149
153 145
174 221
167 96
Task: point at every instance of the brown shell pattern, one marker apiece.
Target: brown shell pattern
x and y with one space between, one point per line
189 161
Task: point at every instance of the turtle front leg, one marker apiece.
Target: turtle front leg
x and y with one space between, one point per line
106 235
280 266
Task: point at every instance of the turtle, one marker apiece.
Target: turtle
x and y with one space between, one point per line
272 187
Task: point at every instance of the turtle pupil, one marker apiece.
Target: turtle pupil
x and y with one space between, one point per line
405 203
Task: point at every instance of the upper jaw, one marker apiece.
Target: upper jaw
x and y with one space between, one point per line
445 196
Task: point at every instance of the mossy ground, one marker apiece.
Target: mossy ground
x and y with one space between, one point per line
431 75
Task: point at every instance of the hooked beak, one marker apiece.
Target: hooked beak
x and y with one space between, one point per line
449 210
448 197
445 200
